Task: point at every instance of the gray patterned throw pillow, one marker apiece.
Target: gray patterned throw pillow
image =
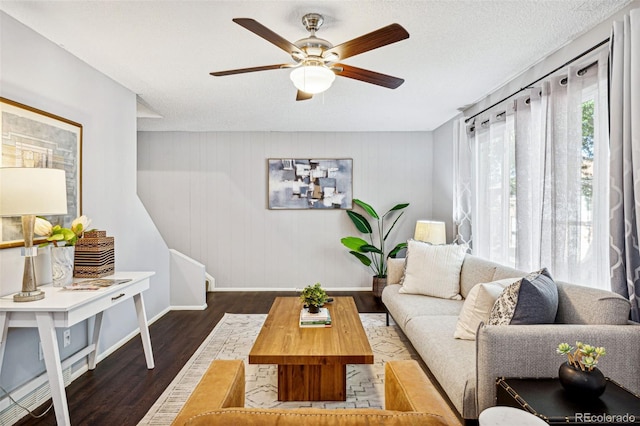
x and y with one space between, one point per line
530 300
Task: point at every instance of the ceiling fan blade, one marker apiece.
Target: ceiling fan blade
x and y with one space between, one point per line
303 96
373 40
264 32
245 70
368 76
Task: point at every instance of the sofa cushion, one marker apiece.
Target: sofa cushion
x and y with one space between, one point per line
395 270
475 270
503 272
530 300
477 307
451 361
433 270
403 307
313 416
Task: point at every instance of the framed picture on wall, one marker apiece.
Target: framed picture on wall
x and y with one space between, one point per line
35 138
304 183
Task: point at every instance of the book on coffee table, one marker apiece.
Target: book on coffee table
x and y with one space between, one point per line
320 319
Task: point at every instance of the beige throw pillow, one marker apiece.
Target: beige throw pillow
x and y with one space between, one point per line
477 307
433 270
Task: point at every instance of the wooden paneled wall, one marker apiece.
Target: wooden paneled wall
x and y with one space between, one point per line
207 194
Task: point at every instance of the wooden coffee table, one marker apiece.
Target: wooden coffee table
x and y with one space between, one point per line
312 362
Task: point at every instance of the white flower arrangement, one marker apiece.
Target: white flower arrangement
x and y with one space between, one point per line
59 235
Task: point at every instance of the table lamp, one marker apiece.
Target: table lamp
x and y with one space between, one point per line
28 192
430 231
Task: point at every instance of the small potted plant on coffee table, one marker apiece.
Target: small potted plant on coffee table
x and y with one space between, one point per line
314 297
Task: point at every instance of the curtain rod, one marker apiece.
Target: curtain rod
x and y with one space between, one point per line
541 78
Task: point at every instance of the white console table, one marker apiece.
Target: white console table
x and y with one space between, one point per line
63 308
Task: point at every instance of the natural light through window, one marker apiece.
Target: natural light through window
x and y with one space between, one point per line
586 204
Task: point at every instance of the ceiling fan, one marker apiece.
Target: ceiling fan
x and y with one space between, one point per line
316 60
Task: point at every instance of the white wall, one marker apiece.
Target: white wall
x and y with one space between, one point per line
443 135
207 194
569 51
38 73
443 176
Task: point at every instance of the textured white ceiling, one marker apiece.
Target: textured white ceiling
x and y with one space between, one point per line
458 51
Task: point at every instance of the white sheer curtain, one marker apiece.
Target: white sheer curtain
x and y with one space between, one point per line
574 243
530 135
492 156
539 190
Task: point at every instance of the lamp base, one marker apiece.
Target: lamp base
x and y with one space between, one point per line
28 296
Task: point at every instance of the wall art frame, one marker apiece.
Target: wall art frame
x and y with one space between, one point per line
309 183
36 138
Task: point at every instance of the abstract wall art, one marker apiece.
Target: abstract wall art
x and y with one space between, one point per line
301 183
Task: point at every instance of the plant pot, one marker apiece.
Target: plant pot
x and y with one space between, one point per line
313 309
582 384
379 283
62 265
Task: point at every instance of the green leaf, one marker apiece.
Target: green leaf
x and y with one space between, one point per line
392 226
399 206
67 233
353 243
368 248
56 237
367 208
364 259
360 222
397 249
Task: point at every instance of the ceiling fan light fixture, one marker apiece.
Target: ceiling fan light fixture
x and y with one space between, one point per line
312 79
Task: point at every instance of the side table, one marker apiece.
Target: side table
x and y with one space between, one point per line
62 309
547 399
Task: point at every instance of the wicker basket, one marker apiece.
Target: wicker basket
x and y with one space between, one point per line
95 255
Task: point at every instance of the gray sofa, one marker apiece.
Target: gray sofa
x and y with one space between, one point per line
467 369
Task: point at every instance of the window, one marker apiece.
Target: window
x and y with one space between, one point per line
539 178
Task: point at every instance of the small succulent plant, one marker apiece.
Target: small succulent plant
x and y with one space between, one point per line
585 357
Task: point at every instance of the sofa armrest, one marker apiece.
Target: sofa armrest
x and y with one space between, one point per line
395 270
407 388
530 351
222 386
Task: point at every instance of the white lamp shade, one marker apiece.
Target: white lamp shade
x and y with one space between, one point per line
430 231
32 191
312 78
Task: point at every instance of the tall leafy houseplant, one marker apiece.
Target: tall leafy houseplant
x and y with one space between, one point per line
372 253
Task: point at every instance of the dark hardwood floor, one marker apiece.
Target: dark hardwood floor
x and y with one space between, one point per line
121 390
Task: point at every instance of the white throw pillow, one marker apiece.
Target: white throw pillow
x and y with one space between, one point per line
477 307
433 270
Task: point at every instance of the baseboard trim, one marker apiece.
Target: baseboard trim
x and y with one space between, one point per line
298 289
189 308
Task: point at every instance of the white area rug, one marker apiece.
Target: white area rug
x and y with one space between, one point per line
233 338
